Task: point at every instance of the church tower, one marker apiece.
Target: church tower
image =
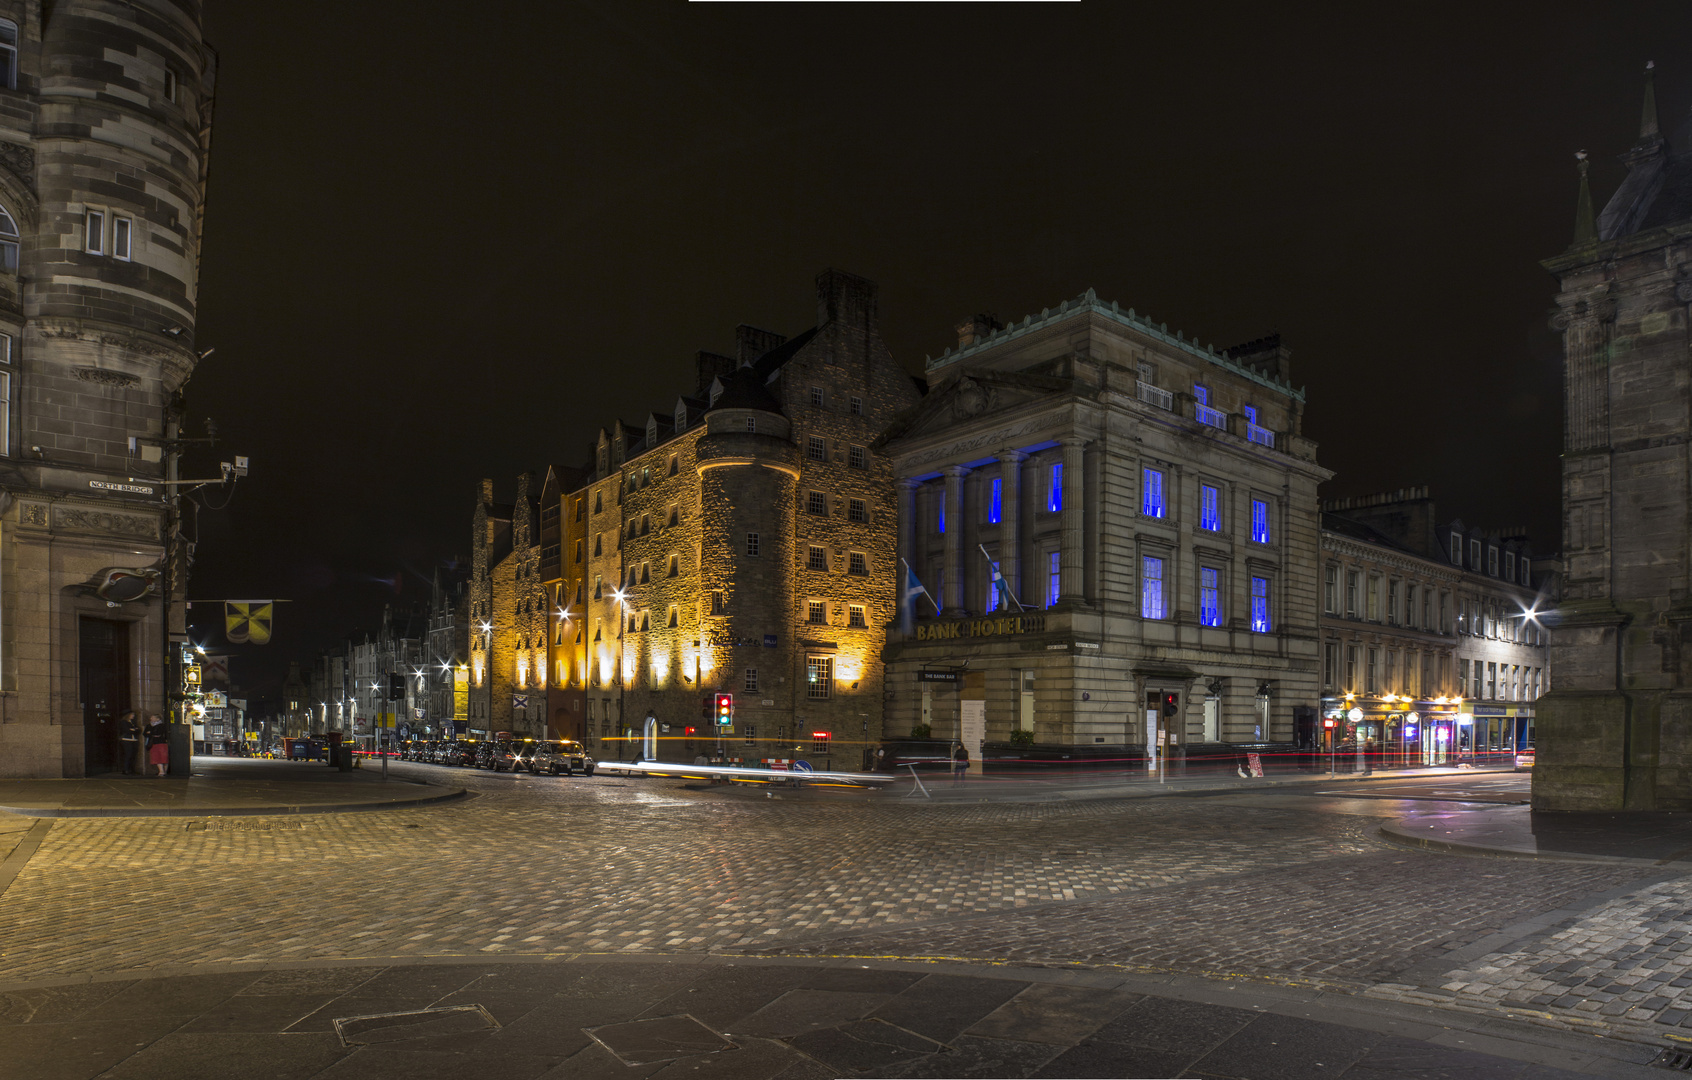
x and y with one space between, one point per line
1616 730
105 113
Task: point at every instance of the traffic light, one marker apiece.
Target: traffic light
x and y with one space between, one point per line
725 710
396 687
1171 705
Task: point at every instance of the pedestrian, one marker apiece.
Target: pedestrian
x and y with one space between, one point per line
158 743
960 764
129 740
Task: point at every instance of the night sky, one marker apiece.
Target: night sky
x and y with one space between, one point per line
444 243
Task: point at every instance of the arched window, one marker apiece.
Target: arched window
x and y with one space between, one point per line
8 54
8 243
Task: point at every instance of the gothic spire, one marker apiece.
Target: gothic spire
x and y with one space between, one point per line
1648 115
1585 231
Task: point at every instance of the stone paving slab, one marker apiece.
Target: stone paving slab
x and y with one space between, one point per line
640 1016
225 787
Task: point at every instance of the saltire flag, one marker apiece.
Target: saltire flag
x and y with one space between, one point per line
247 622
909 590
1000 585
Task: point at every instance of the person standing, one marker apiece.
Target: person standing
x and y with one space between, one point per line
960 764
129 741
158 744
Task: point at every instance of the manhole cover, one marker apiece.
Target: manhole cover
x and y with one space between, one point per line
1671 1058
646 1042
417 1024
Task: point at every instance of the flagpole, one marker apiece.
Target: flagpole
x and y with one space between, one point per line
999 578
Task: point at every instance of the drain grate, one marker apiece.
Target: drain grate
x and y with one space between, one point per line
1671 1058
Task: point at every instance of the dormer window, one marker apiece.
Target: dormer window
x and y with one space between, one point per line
651 433
681 417
716 391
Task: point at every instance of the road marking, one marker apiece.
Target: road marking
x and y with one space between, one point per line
14 864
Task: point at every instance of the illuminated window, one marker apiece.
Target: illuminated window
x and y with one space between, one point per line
857 564
819 677
994 500
1054 577
752 543
818 559
1210 507
855 617
1259 605
750 682
1151 588
94 237
940 517
858 457
1260 521
857 511
817 613
1054 493
816 503
1210 597
1151 492
816 448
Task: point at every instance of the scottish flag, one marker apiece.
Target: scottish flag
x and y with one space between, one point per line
909 589
1001 587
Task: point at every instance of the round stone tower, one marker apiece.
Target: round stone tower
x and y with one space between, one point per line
105 113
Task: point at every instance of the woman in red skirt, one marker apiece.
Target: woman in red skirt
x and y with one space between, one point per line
158 743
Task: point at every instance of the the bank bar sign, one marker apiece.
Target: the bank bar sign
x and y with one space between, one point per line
990 626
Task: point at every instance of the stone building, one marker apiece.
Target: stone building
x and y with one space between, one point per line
741 541
1151 504
489 695
1616 730
448 651
1431 631
563 566
105 114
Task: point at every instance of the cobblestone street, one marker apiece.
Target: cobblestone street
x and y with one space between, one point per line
570 866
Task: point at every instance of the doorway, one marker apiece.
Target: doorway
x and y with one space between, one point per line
103 670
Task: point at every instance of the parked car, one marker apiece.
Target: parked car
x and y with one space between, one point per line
462 752
925 754
507 755
486 751
555 756
1524 760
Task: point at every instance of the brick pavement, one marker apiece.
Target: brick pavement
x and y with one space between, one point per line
542 866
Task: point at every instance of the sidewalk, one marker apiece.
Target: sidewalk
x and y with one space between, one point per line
584 1016
1643 838
222 787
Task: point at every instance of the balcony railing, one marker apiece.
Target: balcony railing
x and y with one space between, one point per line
1216 418
1153 395
1261 435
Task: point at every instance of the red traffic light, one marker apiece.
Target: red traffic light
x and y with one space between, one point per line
725 708
1170 705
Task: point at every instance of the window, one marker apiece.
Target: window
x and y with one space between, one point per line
1392 602
1259 605
598 543
121 229
9 54
172 86
752 424
5 413
1456 548
675 464
1373 599
599 497
1210 597
1330 590
751 731
717 605
8 243
1210 507
1463 678
750 682
1491 680
1353 593
1492 560
1260 521
1054 578
818 559
681 417
675 517
598 587
994 500
673 620
1351 667
1202 411
1054 494
857 406
94 238
1330 664
646 620
1526 568
1151 492
578 551
645 573
857 564
817 503
1474 554
1410 606
1151 588
1250 413
855 617
816 448
857 458
1509 566
817 396
752 544
819 676
645 524
816 613
857 511
1371 673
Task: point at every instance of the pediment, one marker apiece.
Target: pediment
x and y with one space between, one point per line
974 398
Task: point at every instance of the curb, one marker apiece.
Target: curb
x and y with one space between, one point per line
228 811
1393 832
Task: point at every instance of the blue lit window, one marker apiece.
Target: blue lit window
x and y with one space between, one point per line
1202 393
1151 493
1210 598
1259 605
941 519
1055 579
993 505
992 598
1210 508
1054 497
1260 521
1151 588
1250 412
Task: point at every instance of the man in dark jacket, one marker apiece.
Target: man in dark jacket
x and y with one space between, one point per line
129 740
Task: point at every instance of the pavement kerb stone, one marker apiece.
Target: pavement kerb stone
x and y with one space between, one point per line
230 811
1398 834
1524 1037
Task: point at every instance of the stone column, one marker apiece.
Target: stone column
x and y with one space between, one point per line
1010 520
1072 562
954 598
907 521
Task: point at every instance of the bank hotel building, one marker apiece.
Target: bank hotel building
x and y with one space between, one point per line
1151 503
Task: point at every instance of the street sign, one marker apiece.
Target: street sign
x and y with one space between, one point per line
1354 715
802 766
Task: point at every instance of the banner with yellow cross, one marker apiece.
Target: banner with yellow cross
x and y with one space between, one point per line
247 622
